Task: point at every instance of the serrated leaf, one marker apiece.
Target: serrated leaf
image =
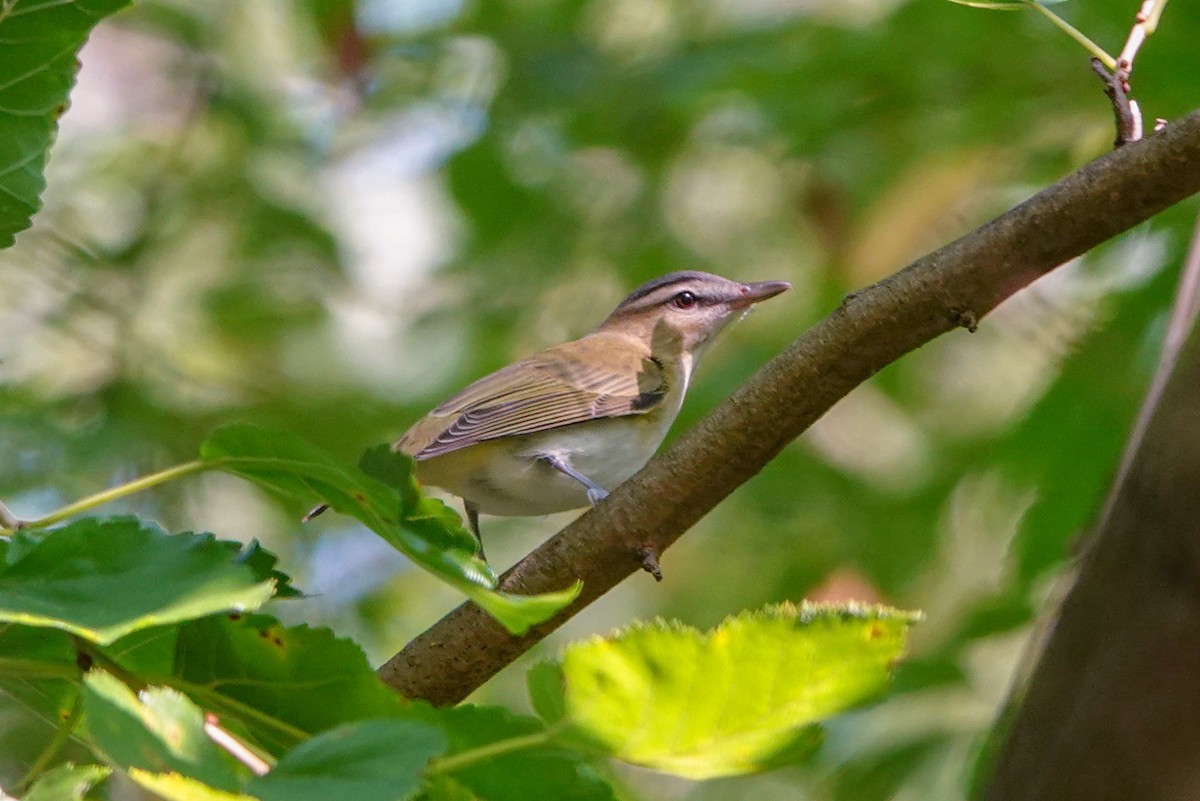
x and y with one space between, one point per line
417 527
546 685
425 516
374 760
263 564
66 783
741 698
41 42
519 613
305 678
102 579
177 787
537 770
159 730
37 669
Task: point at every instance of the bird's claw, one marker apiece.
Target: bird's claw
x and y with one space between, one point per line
595 495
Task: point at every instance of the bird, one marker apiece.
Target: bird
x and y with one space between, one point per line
562 428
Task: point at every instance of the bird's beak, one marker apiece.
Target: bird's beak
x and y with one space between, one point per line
753 293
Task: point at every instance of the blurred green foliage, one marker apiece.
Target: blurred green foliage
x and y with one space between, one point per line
326 216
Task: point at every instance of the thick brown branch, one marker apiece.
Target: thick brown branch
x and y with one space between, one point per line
1111 710
954 286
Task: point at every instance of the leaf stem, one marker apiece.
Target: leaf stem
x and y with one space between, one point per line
61 734
15 666
97 658
206 696
1070 30
100 498
465 759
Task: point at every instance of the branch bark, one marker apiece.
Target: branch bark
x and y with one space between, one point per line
1111 709
952 287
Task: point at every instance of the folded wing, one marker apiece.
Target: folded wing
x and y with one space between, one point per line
593 378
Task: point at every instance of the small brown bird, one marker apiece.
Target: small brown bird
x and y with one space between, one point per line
560 429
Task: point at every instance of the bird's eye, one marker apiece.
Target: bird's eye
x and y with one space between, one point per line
684 300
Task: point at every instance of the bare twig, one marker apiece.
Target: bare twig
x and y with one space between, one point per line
1125 109
871 329
1144 24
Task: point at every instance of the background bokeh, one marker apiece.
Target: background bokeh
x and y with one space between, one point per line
326 216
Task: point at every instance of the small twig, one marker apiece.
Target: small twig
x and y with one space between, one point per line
1144 24
472 757
88 656
1128 114
1125 110
12 523
233 746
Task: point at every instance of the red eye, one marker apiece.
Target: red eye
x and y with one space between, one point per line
684 300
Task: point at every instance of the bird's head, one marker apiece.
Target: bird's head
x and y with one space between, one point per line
689 307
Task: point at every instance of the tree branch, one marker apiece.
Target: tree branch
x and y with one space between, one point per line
954 286
1111 709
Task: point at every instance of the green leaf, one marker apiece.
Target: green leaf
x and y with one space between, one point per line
545 683
537 768
41 42
102 579
518 613
416 526
66 783
425 516
38 670
290 675
739 699
158 730
262 562
375 760
177 787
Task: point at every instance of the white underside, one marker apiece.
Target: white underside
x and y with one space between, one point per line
516 480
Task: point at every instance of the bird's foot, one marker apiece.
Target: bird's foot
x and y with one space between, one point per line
596 494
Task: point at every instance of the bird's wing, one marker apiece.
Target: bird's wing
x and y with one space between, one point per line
555 388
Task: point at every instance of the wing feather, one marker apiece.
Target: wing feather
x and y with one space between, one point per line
602 375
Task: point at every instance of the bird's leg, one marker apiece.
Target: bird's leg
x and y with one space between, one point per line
595 492
473 524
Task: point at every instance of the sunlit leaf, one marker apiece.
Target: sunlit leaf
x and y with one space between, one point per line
157 730
41 42
741 698
102 579
66 783
417 527
177 787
